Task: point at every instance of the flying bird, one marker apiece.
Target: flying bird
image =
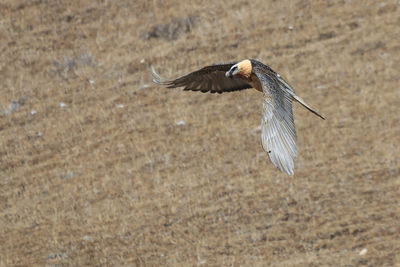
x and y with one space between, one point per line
278 133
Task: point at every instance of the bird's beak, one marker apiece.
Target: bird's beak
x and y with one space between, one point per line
228 74
232 72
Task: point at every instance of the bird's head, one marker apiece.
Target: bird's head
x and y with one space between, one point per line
242 69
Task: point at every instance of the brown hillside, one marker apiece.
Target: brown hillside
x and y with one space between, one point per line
99 166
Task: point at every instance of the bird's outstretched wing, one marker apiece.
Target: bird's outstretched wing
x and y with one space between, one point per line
278 133
208 79
296 97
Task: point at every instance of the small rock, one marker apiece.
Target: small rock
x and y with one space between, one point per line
363 252
57 255
170 31
144 86
13 106
86 237
69 175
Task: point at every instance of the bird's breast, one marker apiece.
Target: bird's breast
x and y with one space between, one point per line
255 82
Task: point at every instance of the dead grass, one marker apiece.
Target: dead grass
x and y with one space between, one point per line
128 173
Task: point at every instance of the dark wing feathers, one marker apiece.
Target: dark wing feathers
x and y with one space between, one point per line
208 79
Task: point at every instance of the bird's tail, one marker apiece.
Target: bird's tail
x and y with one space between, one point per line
301 101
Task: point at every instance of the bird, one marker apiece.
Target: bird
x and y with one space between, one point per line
278 133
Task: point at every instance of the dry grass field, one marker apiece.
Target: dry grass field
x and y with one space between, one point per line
99 166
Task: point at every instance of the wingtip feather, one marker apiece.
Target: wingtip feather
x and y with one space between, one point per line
158 79
155 76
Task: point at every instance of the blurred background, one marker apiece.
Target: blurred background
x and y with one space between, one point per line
99 166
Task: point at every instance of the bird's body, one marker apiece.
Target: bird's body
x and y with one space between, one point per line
278 133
